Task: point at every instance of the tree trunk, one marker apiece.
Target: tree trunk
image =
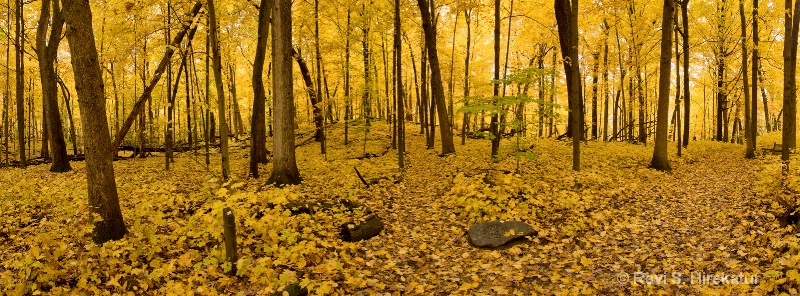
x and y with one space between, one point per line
749 133
284 169
687 101
605 80
102 187
493 126
68 103
436 79
660 158
567 20
162 65
348 103
319 107
312 94
767 118
465 122
754 78
400 117
20 72
789 129
258 129
47 51
595 78
217 60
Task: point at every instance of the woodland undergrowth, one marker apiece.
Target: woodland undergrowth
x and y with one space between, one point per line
714 212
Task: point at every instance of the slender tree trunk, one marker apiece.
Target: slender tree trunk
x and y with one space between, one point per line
465 122
208 131
605 80
595 78
217 60
748 132
767 118
660 158
319 107
319 120
102 187
687 101
168 137
348 108
493 126
258 139
284 169
677 134
401 132
20 72
754 78
7 97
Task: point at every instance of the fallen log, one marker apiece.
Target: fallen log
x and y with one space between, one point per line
371 227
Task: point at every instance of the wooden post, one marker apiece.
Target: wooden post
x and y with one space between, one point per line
230 239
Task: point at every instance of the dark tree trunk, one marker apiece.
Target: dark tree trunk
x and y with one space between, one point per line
494 125
401 132
102 187
348 108
754 78
436 79
749 133
284 169
567 19
312 94
660 158
789 129
465 122
47 51
20 81
687 101
258 139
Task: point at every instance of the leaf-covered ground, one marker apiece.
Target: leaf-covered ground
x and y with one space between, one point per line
616 227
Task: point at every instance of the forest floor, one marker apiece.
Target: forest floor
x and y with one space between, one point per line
614 228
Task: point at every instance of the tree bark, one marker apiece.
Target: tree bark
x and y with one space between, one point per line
47 51
754 79
748 132
20 81
216 59
436 79
102 188
789 129
494 128
465 122
284 169
660 158
567 19
316 102
687 101
401 112
258 129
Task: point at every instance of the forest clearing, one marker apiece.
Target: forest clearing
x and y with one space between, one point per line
398 147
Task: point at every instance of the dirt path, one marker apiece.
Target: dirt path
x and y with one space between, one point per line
676 230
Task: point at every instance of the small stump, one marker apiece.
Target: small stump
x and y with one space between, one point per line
493 234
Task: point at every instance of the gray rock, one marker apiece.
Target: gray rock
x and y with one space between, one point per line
493 234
